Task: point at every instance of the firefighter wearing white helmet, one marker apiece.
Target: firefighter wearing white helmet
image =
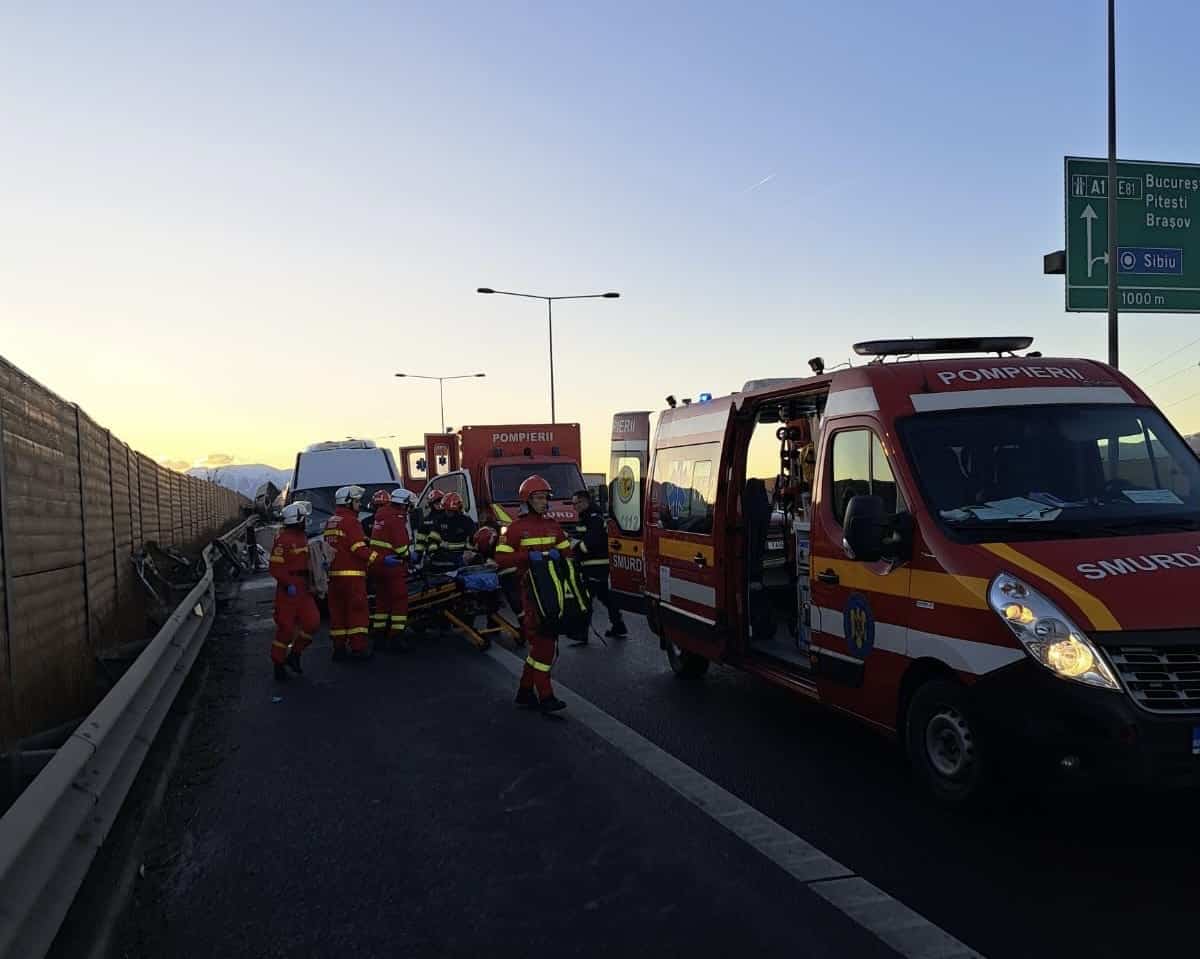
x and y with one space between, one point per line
349 613
296 613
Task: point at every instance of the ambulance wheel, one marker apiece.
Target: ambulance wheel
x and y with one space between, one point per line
684 664
943 745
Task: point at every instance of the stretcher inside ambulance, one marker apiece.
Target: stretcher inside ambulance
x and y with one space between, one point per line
995 560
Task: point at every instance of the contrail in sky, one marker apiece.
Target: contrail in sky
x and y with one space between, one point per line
767 179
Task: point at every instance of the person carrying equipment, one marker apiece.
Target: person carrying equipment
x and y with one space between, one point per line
348 611
296 613
450 537
527 542
389 537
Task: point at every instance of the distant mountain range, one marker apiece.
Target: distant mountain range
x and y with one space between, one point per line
1194 439
243 478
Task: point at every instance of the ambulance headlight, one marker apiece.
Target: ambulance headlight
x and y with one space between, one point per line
1048 634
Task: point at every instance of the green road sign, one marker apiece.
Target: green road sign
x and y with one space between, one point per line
1158 236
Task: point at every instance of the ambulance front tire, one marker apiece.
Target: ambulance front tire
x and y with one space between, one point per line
685 665
943 744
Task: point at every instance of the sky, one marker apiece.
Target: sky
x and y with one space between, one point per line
226 226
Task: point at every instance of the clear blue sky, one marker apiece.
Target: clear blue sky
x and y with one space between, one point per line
324 186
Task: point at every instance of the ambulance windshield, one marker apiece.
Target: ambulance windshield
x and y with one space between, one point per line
505 480
1056 470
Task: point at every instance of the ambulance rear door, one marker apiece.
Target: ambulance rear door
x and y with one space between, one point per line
685 572
630 454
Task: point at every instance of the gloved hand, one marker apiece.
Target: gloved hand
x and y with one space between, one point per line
392 560
555 554
291 590
536 556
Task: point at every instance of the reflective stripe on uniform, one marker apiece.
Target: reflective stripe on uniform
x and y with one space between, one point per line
337 632
537 541
357 630
400 550
540 667
399 619
595 562
334 532
501 513
382 543
504 548
280 645
509 571
347 572
454 545
278 559
565 544
298 549
361 544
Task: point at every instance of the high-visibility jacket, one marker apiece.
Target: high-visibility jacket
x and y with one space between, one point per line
352 554
389 534
289 559
449 538
590 537
429 520
527 534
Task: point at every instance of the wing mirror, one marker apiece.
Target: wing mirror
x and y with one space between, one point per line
869 534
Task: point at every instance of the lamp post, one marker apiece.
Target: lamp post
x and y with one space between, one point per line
441 388
550 321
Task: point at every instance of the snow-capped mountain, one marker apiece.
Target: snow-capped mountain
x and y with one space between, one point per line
242 478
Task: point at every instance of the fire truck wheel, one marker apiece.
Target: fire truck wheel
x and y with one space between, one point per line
684 664
942 744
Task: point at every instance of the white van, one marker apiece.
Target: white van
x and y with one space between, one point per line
324 467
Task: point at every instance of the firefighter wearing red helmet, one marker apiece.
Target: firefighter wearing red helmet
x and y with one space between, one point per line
451 534
389 536
429 517
533 532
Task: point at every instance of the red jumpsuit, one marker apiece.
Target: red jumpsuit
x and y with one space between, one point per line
348 610
533 533
389 537
296 617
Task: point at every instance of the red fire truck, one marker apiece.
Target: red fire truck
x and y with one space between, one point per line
486 465
992 559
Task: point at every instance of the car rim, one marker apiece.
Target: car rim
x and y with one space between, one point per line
949 743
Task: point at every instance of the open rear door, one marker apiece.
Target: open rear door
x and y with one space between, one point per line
626 506
685 571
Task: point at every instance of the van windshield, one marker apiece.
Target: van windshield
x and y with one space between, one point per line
504 481
1048 472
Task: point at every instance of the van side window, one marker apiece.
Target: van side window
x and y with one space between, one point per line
684 488
860 468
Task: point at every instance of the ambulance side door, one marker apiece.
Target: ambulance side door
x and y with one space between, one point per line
629 456
685 572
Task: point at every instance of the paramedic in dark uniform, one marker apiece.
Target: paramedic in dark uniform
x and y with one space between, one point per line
589 537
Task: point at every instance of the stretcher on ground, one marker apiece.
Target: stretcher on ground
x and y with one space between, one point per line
461 599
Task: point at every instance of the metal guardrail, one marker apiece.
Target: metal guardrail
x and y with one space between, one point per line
51 834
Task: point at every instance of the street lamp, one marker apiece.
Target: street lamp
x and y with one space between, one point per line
441 390
550 321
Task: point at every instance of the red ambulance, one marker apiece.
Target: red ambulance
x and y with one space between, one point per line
994 559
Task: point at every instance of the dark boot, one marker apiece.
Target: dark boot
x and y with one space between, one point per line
526 698
280 673
551 705
617 631
293 663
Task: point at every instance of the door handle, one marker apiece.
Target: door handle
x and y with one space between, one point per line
699 560
829 577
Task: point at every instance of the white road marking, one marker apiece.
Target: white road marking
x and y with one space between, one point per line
905 931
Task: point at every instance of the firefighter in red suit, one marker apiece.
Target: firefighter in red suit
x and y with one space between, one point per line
348 611
377 582
534 532
390 540
296 613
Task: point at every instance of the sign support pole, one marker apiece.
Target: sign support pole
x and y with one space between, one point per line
1113 265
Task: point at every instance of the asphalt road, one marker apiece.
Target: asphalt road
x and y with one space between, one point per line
404 807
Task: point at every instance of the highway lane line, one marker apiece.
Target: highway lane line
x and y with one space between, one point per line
904 930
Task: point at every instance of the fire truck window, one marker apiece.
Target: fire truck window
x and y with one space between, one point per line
684 488
851 469
625 493
883 481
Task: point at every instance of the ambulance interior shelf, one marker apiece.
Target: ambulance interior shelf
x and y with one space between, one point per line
779 599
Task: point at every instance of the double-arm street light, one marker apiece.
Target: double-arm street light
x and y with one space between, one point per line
441 389
550 321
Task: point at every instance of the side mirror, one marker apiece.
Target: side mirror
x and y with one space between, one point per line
863 529
869 534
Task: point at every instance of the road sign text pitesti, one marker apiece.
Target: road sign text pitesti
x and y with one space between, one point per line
1158 236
